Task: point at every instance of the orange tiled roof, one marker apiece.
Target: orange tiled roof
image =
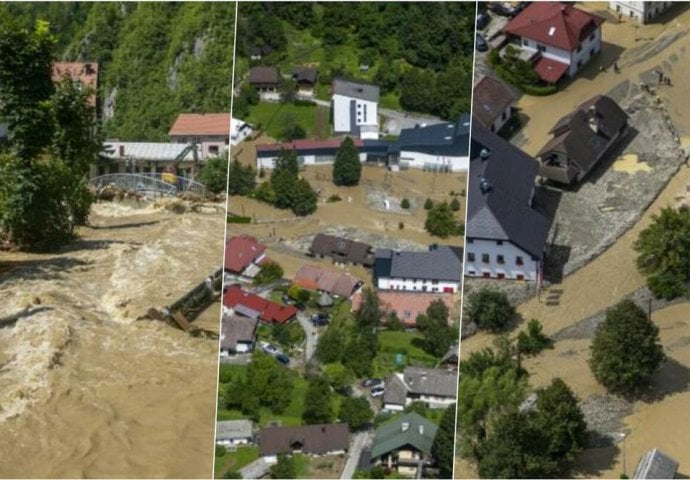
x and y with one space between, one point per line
217 124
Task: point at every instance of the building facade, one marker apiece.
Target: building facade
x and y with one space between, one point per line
211 131
436 270
355 109
643 12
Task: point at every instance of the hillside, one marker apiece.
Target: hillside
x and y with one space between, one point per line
156 59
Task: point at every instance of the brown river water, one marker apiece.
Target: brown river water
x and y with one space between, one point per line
86 390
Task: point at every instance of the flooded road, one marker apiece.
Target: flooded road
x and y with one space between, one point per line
85 389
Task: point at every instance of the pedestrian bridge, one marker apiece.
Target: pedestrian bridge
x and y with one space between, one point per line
150 184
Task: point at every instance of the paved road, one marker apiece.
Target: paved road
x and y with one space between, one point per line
312 336
359 442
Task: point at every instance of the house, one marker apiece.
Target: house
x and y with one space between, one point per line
581 139
209 130
312 277
643 12
656 464
437 270
557 37
231 433
309 152
406 305
505 235
148 157
342 250
493 102
266 81
355 109
243 255
237 301
439 147
305 78
435 387
239 131
404 444
320 439
85 73
237 334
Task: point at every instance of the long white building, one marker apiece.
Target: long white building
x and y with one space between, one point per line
437 270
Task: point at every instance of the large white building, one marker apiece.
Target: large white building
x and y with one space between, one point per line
355 109
437 270
643 12
434 387
506 236
560 38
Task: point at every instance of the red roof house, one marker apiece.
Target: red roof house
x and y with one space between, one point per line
563 37
201 125
254 306
241 251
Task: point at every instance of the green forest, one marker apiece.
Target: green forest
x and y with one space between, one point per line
156 59
419 54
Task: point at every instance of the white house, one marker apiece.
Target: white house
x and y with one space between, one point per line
560 37
643 12
436 270
211 131
505 235
355 109
434 387
231 433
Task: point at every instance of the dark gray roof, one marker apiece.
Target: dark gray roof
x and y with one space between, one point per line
502 210
363 91
443 138
342 249
235 329
440 262
396 391
264 75
304 74
585 134
431 381
317 439
490 98
233 429
656 464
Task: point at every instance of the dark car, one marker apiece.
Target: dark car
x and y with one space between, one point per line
282 358
320 319
483 20
372 382
481 44
503 9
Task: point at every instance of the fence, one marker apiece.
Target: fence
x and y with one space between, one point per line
150 184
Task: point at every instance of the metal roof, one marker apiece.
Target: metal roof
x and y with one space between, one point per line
656 464
410 429
440 262
362 91
233 429
152 151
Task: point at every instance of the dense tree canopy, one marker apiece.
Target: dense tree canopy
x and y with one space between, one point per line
442 448
490 309
441 221
347 169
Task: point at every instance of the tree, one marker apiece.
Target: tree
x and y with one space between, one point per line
533 341
287 162
318 407
369 313
347 169
331 345
428 204
284 468
490 309
338 376
441 221
664 252
405 204
394 323
241 178
625 352
361 350
269 272
438 335
356 412
455 205
442 448
304 199
214 175
268 382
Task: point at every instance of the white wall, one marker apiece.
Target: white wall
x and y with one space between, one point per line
268 163
510 269
341 114
419 160
564 56
433 401
229 443
553 53
416 285
640 11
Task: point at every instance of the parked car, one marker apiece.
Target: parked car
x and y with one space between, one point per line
483 20
482 46
268 348
504 9
286 299
282 358
371 382
377 392
320 319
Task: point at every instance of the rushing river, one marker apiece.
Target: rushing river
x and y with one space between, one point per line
86 390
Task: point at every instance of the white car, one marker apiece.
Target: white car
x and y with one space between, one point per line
377 391
268 348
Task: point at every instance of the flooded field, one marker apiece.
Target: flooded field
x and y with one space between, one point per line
86 390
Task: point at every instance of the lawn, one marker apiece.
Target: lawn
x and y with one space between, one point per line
272 117
231 461
392 343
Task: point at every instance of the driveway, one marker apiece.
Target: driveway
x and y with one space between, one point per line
312 335
359 442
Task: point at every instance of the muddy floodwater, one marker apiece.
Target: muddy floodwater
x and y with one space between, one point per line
86 390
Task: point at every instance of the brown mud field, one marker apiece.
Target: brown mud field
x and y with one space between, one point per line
86 390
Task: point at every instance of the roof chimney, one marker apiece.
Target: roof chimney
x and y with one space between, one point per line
421 429
484 185
484 154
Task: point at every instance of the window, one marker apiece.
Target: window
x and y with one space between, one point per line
471 272
541 48
213 149
503 116
525 42
519 261
486 274
469 240
500 259
501 276
470 257
485 258
520 276
499 242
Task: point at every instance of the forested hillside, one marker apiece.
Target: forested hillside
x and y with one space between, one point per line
419 54
156 59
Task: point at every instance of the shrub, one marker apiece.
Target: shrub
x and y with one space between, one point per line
441 221
334 198
269 272
428 204
455 204
405 203
239 219
490 309
533 341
